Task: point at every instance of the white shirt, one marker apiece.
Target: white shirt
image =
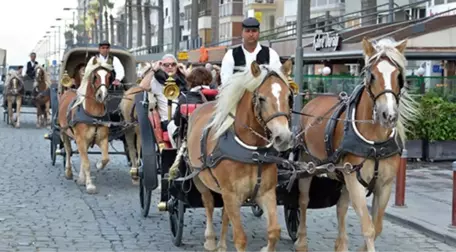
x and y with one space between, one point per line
118 67
162 103
228 61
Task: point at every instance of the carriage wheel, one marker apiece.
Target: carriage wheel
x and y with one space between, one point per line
176 210
292 220
256 210
53 149
145 197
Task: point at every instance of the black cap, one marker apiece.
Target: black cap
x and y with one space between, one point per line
105 42
250 23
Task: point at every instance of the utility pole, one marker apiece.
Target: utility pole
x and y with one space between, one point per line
194 25
176 26
215 21
148 25
161 26
391 11
298 63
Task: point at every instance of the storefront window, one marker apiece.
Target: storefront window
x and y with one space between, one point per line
436 2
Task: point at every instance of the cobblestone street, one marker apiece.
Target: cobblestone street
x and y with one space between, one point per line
42 211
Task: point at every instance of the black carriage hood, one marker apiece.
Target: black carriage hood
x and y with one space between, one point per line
161 77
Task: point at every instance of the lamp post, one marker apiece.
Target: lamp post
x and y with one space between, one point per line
74 17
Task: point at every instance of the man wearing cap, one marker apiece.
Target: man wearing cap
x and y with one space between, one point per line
31 66
238 58
119 72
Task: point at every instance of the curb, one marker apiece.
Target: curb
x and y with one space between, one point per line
450 240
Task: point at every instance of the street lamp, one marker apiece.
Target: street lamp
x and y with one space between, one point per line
84 18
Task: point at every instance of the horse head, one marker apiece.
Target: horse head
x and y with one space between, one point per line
265 108
14 84
385 78
40 77
98 79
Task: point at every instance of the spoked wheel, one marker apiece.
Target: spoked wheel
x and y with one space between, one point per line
53 149
292 220
145 196
176 211
256 210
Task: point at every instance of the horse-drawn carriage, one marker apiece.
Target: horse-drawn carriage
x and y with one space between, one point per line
20 92
345 145
96 111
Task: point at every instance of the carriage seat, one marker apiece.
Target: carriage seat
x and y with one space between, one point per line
187 109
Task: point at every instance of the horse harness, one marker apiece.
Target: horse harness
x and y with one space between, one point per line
352 143
229 146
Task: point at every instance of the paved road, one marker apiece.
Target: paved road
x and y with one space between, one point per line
41 211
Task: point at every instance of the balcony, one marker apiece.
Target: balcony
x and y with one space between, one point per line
260 5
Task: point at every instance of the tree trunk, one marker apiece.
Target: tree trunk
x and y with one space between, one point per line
368 7
139 17
215 21
130 24
100 18
148 26
161 26
194 28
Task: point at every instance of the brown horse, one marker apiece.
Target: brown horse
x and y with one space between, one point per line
374 118
87 103
129 116
14 90
41 96
254 106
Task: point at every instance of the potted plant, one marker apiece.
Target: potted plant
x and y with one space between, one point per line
437 124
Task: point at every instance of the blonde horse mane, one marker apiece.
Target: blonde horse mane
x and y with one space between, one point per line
232 92
82 90
408 107
46 76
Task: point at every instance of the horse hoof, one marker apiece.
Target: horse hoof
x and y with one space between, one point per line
80 181
209 245
222 249
135 182
69 176
91 189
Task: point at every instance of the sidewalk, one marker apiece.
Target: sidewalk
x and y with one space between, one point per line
428 200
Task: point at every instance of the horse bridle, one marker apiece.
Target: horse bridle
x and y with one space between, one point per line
9 85
368 85
94 78
257 104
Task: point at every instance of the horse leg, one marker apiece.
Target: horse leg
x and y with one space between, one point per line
130 141
18 111
10 109
356 192
304 198
268 202
232 206
47 114
222 242
342 208
379 204
83 147
208 202
68 151
38 115
104 146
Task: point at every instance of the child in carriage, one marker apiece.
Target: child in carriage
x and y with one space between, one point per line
200 78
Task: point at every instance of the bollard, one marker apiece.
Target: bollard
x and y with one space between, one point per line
453 210
400 180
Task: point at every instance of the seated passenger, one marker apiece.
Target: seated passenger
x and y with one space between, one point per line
78 74
200 78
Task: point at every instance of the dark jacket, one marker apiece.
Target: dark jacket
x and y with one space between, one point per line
31 70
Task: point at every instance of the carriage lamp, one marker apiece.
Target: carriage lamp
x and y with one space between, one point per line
171 92
326 71
420 71
162 206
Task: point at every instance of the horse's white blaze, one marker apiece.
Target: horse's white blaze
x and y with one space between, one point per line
102 73
386 69
276 89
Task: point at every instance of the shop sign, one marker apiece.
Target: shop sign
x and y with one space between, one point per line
326 41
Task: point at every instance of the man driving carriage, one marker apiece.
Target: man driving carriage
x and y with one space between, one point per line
30 72
237 58
118 73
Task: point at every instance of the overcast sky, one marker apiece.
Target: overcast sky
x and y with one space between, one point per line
24 22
